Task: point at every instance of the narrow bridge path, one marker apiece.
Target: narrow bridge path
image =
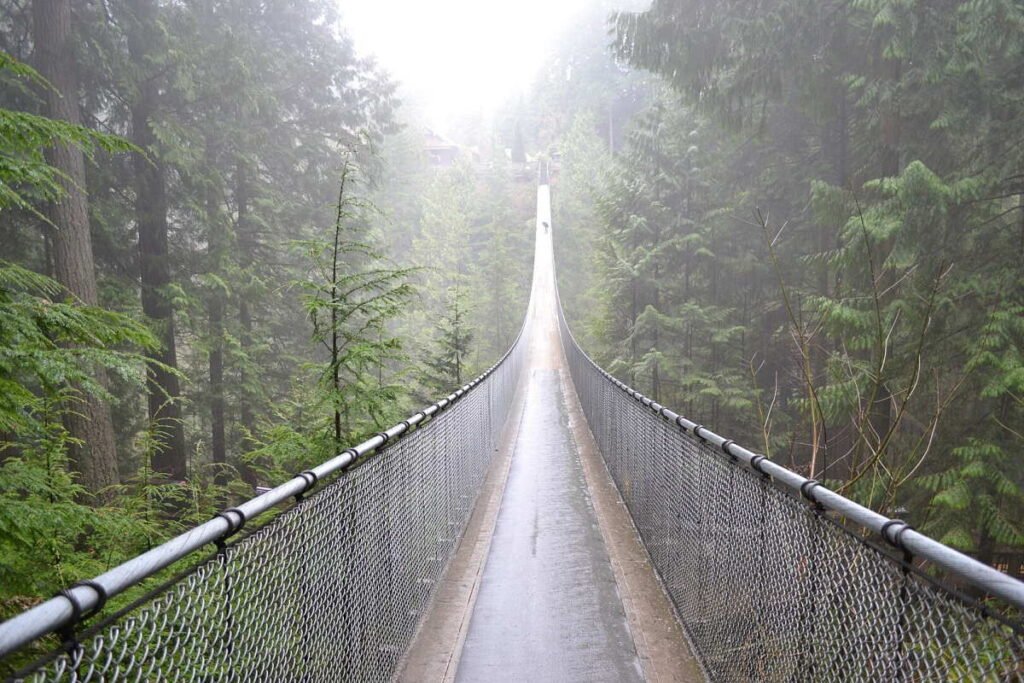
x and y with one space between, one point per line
548 605
561 589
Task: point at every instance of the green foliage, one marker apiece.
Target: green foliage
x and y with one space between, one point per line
874 300
252 105
978 500
48 537
46 346
470 244
25 176
446 366
350 298
657 291
584 163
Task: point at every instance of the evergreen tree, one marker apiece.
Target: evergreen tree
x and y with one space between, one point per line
148 51
350 298
446 365
93 453
55 354
805 227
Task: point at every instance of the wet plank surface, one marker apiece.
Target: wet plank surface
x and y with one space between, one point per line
548 607
551 582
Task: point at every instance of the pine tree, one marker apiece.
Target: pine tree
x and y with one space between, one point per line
93 452
446 362
147 50
351 296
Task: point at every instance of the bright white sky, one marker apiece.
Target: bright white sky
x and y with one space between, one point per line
457 57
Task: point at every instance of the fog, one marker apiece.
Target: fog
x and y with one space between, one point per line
457 58
238 237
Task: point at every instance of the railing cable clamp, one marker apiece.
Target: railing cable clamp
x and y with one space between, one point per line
78 615
896 540
311 479
234 526
805 490
755 464
355 456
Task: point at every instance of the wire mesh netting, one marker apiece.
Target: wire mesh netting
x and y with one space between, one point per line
331 589
769 587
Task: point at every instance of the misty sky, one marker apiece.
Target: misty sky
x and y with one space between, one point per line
457 57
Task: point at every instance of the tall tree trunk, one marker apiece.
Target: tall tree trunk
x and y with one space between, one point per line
246 248
335 348
458 339
246 245
88 419
155 273
217 436
217 248
634 312
246 416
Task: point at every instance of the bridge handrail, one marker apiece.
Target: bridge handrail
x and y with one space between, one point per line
896 532
767 584
65 609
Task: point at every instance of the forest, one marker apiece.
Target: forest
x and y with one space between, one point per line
804 224
224 257
226 254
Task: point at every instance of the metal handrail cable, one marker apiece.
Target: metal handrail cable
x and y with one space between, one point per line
733 534
85 598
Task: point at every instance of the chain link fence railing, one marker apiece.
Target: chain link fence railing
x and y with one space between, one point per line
332 589
776 578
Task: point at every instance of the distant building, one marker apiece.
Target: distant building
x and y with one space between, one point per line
440 152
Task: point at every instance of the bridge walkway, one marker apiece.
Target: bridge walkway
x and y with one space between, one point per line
550 582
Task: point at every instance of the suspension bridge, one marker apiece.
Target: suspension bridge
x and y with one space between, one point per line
545 522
